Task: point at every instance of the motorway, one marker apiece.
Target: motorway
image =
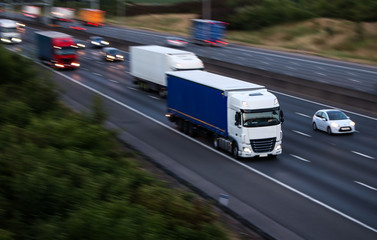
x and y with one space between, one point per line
321 187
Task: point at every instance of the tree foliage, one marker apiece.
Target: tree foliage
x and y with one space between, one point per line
63 176
256 14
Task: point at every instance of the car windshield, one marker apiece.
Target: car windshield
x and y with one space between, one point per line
97 39
258 119
113 52
65 51
336 115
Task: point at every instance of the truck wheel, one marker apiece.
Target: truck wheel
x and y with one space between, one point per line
180 124
235 150
216 142
191 130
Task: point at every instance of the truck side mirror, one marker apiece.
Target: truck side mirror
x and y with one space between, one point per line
237 118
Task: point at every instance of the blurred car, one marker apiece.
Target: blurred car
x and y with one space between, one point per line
176 42
80 43
332 121
97 41
112 54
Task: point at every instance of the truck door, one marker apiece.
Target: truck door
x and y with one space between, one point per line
235 125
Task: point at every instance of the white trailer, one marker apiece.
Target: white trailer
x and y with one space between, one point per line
148 65
62 14
9 32
31 11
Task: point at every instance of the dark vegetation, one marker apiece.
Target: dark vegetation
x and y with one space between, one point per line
63 176
257 14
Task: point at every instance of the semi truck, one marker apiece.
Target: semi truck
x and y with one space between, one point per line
240 117
148 65
31 11
62 14
57 49
92 17
208 32
9 32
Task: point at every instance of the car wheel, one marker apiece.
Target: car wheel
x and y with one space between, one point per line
314 126
235 150
329 131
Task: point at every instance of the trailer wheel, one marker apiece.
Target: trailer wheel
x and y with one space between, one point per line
235 150
180 124
191 130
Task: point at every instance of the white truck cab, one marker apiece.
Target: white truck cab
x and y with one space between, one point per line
9 32
254 123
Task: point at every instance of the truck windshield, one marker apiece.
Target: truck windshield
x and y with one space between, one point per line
65 51
263 118
9 30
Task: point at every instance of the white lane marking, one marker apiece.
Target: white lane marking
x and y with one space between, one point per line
303 60
83 68
353 80
267 63
350 73
153 97
220 153
304 115
98 74
366 185
301 133
319 73
111 80
132 88
299 158
117 68
291 68
319 67
362 154
323 105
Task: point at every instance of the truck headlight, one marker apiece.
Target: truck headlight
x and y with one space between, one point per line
75 64
246 150
5 40
278 147
17 40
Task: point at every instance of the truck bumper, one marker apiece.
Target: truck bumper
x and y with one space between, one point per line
247 152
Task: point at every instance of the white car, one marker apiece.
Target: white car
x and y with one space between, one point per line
332 121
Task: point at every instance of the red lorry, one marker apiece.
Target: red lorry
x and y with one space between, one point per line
57 49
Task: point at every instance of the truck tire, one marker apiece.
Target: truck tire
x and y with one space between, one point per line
235 150
191 130
180 124
216 142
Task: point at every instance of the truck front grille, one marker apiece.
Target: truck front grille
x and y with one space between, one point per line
263 145
66 60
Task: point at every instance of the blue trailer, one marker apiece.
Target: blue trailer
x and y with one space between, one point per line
209 32
241 117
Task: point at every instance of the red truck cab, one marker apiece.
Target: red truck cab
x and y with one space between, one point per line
57 49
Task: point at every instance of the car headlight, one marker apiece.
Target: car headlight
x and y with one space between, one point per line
119 56
95 43
105 43
352 123
334 125
109 56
